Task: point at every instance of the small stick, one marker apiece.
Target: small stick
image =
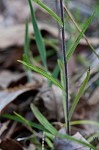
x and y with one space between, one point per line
65 63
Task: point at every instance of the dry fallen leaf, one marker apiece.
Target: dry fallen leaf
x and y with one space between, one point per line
49 100
10 144
63 144
8 78
31 147
7 96
14 35
3 127
94 99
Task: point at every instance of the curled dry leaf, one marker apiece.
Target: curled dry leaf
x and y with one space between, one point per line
49 101
8 79
7 96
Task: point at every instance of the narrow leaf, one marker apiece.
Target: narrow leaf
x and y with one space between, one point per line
43 120
21 119
78 28
45 74
70 138
61 66
54 74
89 122
51 12
70 52
52 130
26 44
38 36
80 92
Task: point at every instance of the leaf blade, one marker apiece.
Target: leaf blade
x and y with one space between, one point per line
38 36
51 12
80 92
43 120
45 74
70 52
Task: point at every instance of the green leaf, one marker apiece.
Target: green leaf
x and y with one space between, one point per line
26 44
54 74
70 52
70 138
51 12
90 139
52 130
45 74
89 122
38 36
80 92
22 120
61 66
43 120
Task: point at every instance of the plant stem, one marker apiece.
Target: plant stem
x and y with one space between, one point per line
58 13
65 64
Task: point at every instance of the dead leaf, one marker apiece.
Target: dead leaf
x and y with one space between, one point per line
63 144
49 100
94 99
31 147
9 79
14 35
7 96
10 144
3 127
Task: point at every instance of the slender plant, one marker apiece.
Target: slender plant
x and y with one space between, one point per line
65 64
45 125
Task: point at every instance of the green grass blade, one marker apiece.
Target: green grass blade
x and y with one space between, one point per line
26 44
51 12
80 92
45 74
22 120
70 52
54 74
91 138
89 122
52 130
43 120
61 66
38 36
70 138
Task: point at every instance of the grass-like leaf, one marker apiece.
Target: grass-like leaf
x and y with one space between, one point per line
52 130
78 28
43 120
51 12
70 52
38 36
80 92
61 67
70 138
92 137
45 74
21 119
54 74
89 122
26 44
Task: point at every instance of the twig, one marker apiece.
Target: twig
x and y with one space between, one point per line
65 64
